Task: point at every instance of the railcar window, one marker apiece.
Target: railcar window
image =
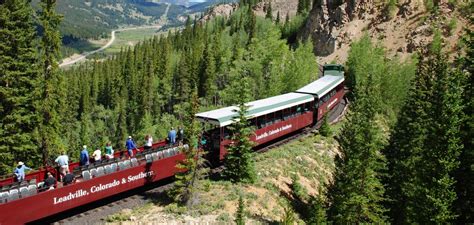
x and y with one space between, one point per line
293 111
278 116
261 122
253 122
326 98
227 133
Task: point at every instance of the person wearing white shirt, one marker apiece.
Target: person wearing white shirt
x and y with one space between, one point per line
148 142
97 155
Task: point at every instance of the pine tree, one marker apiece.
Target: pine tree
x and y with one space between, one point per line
209 89
425 147
464 183
192 168
278 19
325 129
18 80
402 151
302 7
443 145
357 193
238 161
52 84
308 5
269 12
240 214
317 214
251 24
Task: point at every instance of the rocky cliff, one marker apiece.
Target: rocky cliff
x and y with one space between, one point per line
328 17
402 29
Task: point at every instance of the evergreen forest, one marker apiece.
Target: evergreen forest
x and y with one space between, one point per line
406 154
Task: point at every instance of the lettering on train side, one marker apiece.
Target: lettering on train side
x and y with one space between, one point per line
332 103
101 187
272 132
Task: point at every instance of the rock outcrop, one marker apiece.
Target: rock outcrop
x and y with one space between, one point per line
327 17
220 10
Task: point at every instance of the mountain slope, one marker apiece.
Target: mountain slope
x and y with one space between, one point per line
95 18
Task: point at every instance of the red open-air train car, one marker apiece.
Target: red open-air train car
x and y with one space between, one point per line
273 118
276 116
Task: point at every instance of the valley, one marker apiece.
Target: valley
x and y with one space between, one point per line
85 23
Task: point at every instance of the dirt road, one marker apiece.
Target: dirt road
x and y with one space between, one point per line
75 59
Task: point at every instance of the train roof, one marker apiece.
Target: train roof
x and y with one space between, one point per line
333 69
322 86
225 116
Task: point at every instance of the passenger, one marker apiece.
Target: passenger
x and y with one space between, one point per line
84 157
49 182
172 136
109 151
148 142
97 154
130 145
69 179
20 171
180 135
63 163
203 141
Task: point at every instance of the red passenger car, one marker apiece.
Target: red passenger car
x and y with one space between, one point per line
272 117
277 116
26 202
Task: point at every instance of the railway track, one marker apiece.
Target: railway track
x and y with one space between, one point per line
96 213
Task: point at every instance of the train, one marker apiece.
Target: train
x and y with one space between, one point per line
273 118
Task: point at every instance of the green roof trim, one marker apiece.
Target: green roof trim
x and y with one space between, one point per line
320 92
261 109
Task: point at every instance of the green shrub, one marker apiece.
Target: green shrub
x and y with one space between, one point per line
288 217
452 3
224 217
391 8
174 208
325 130
298 189
119 217
240 215
452 25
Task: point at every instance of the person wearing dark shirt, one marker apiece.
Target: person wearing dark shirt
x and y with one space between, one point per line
68 179
130 145
49 182
180 135
84 157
